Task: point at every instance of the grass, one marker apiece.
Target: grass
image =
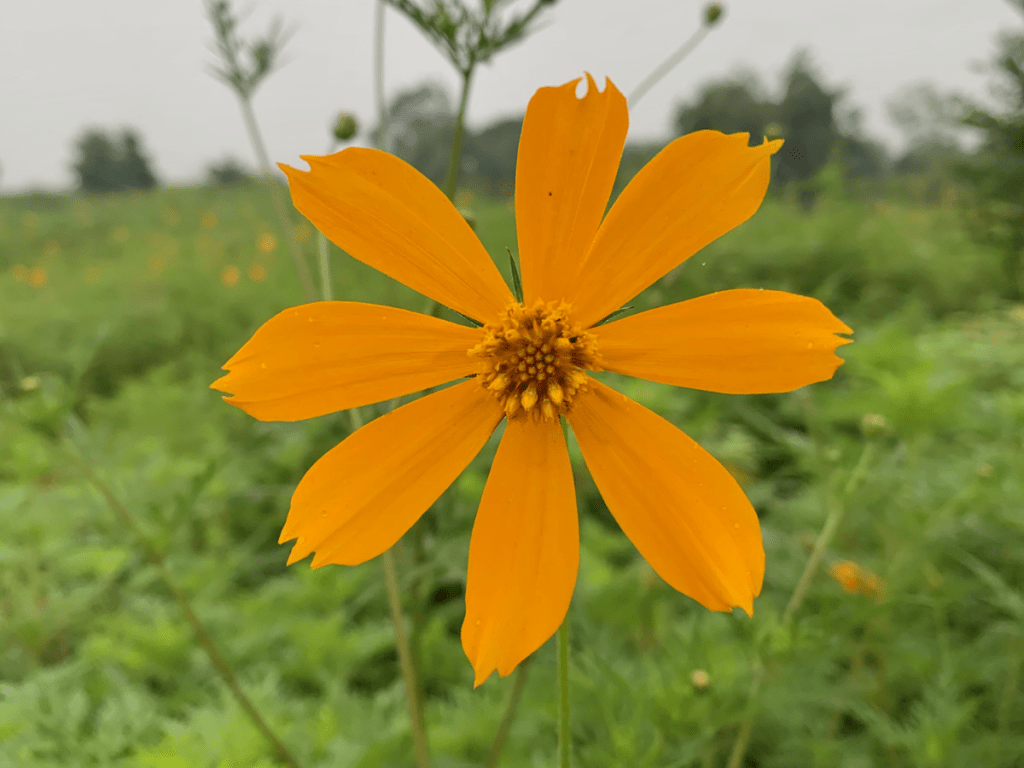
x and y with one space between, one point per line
141 298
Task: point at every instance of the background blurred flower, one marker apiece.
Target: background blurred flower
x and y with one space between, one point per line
229 276
856 579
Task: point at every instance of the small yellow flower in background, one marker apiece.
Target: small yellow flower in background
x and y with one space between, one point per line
51 249
30 383
37 277
156 264
93 275
229 276
20 273
303 232
208 220
528 365
171 216
266 243
1016 313
464 198
700 680
874 424
856 579
257 273
121 234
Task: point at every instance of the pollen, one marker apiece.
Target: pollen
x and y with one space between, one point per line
533 360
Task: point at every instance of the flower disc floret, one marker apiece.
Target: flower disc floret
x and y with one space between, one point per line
532 359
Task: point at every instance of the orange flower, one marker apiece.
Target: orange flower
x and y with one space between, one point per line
528 364
856 579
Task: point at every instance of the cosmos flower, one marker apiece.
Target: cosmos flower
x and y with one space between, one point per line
529 364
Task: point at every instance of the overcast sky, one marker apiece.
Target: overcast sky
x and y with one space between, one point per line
68 64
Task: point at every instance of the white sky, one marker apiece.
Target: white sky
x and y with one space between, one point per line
68 64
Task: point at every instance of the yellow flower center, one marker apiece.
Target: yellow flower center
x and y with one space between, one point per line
532 359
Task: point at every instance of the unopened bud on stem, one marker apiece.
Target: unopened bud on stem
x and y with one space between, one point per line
345 127
712 13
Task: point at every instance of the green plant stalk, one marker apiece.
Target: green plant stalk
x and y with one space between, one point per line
325 266
301 268
739 747
835 515
216 657
324 255
406 660
378 66
668 65
419 734
418 619
518 684
452 180
564 720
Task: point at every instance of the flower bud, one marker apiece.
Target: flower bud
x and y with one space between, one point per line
700 680
712 13
872 424
345 127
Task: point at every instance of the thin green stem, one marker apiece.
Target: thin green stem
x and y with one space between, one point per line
301 267
452 180
408 659
212 651
518 685
378 69
325 267
667 65
419 732
323 254
836 511
739 747
564 720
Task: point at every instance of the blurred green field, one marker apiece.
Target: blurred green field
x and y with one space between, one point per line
116 313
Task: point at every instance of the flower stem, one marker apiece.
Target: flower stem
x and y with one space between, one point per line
510 713
325 267
667 65
406 659
378 70
452 180
419 733
739 748
301 268
836 511
564 736
205 640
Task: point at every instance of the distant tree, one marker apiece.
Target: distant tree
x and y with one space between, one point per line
732 105
227 171
809 127
996 169
134 164
493 152
104 164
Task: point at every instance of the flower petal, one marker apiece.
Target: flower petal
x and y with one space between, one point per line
524 552
387 214
677 504
741 342
569 154
694 191
359 498
332 355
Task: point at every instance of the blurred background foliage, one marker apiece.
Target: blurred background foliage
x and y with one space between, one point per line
119 309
